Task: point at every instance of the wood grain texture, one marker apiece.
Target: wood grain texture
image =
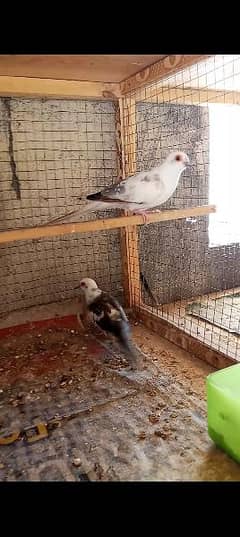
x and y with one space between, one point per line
64 89
101 225
164 67
90 67
129 235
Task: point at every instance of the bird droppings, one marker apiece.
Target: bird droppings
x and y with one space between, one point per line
99 471
162 434
142 435
120 425
153 418
76 462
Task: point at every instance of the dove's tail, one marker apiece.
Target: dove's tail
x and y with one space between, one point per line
89 208
147 289
128 346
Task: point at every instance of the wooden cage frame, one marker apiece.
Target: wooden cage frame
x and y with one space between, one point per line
122 94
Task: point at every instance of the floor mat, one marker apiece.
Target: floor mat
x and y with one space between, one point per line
70 411
46 380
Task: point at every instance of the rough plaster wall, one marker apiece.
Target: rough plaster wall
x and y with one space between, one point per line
175 256
62 150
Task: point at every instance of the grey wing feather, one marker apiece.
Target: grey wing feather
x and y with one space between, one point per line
115 191
124 191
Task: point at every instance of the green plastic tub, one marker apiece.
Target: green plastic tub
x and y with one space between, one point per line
223 404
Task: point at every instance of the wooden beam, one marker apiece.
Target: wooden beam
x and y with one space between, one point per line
183 95
130 135
123 231
129 235
99 67
119 140
177 336
121 175
163 68
101 225
65 89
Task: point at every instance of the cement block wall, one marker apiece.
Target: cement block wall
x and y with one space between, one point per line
62 150
175 256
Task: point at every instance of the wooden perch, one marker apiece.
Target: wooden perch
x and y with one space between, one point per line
101 225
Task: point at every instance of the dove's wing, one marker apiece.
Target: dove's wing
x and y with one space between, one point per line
140 188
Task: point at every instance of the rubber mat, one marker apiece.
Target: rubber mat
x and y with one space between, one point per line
48 379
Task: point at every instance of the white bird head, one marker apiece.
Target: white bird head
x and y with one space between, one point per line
90 289
178 159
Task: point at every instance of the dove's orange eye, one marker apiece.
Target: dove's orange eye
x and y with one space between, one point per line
178 157
83 284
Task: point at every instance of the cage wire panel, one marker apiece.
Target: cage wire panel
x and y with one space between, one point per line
189 269
52 152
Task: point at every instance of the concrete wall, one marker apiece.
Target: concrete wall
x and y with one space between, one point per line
175 256
55 151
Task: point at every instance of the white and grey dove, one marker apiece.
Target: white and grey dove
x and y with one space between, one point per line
137 193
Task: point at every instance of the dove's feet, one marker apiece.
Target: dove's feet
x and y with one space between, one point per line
144 215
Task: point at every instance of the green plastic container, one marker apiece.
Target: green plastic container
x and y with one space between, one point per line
223 402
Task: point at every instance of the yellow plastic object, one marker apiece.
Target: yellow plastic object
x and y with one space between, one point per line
223 403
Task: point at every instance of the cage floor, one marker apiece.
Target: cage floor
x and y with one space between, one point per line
216 337
98 421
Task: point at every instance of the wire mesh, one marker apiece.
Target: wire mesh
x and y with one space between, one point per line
51 153
187 271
